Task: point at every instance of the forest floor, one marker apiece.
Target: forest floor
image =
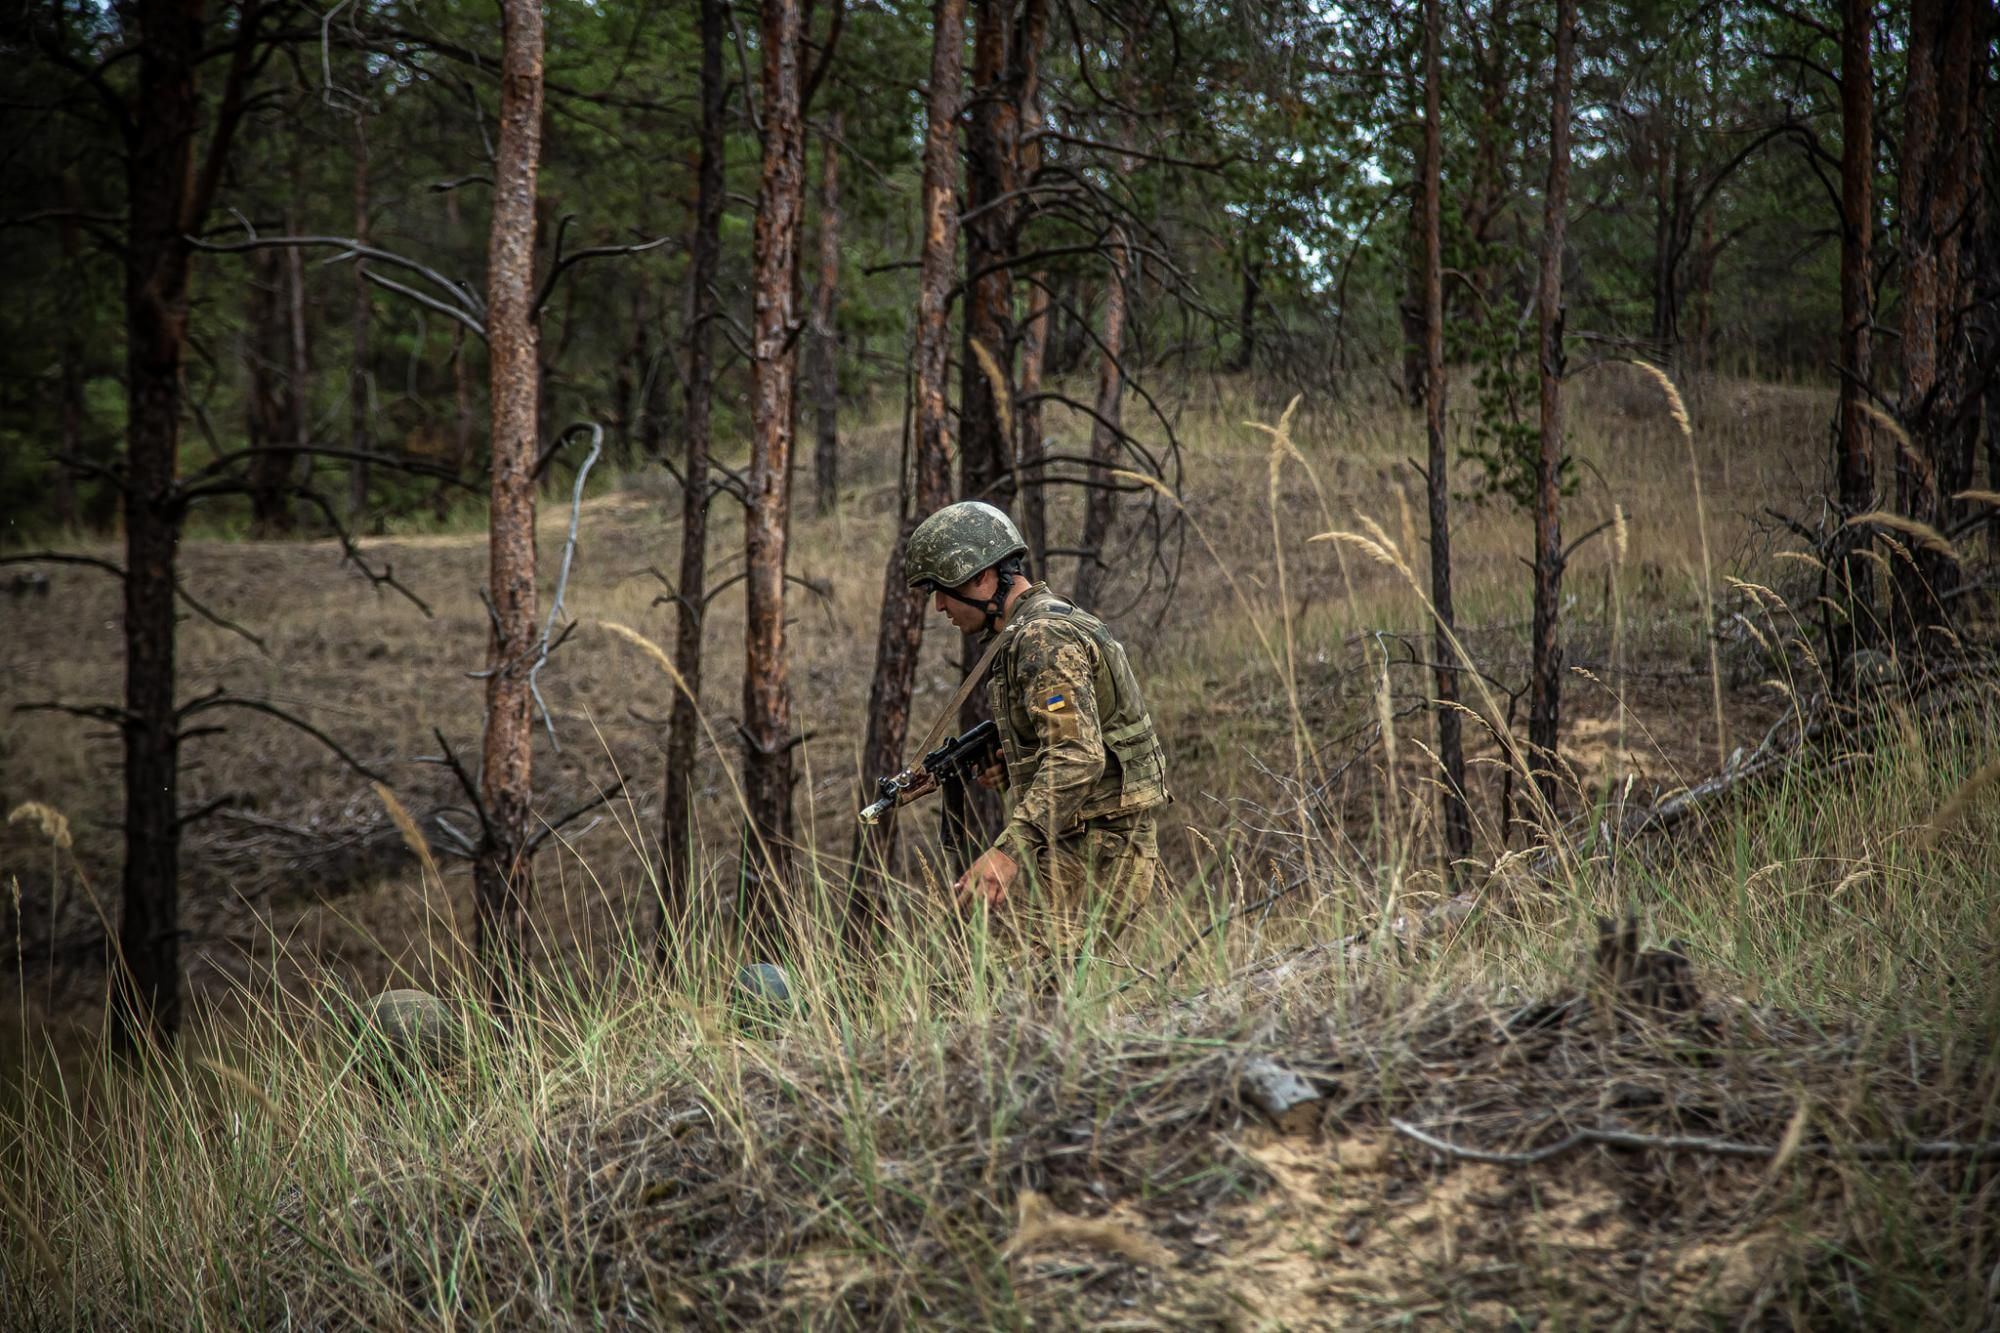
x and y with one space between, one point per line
924 1146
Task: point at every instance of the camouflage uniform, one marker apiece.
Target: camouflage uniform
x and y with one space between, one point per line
1086 775
1085 771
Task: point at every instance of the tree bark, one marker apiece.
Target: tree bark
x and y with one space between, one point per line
357 374
1856 460
1100 501
73 370
267 406
298 407
1915 606
1246 320
1098 505
1666 232
501 872
992 175
899 632
1958 170
767 712
1454 817
166 200
826 338
1545 694
1029 449
677 875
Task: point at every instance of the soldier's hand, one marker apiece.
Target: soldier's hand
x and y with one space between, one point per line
993 777
988 878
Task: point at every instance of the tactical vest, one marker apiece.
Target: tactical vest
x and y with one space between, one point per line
1135 764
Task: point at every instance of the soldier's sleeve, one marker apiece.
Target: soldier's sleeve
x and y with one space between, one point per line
1058 673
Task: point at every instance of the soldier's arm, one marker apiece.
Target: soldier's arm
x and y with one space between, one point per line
1059 674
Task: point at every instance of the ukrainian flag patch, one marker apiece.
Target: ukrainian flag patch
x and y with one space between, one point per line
1056 703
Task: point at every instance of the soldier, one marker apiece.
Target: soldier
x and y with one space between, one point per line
1083 769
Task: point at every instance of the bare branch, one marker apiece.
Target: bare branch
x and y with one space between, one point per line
552 827
564 263
562 581
219 699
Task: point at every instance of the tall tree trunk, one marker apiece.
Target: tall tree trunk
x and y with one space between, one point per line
677 875
160 159
1100 501
298 406
1856 460
1030 453
992 173
1455 819
1029 449
1955 435
1246 320
899 633
357 374
73 368
500 873
1411 309
826 338
267 405
1914 607
767 710
166 199
1666 228
1545 694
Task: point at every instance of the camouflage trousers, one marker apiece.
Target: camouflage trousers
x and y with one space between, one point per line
1087 886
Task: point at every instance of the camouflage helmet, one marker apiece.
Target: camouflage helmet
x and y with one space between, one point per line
954 544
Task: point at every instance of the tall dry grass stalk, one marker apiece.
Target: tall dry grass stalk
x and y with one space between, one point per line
1961 800
1282 448
1923 534
1678 411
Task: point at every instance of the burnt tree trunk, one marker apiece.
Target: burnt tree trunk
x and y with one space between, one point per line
357 372
500 872
826 337
1855 464
1545 689
899 633
166 199
1455 818
767 710
677 875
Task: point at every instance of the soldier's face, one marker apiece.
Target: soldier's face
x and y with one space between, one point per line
968 619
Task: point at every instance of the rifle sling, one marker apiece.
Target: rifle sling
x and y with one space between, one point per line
965 689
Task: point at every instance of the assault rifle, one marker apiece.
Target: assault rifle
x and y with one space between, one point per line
950 764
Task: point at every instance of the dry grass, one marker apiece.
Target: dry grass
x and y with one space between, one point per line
927 1145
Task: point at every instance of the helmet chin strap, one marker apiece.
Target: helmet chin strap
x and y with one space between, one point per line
991 607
